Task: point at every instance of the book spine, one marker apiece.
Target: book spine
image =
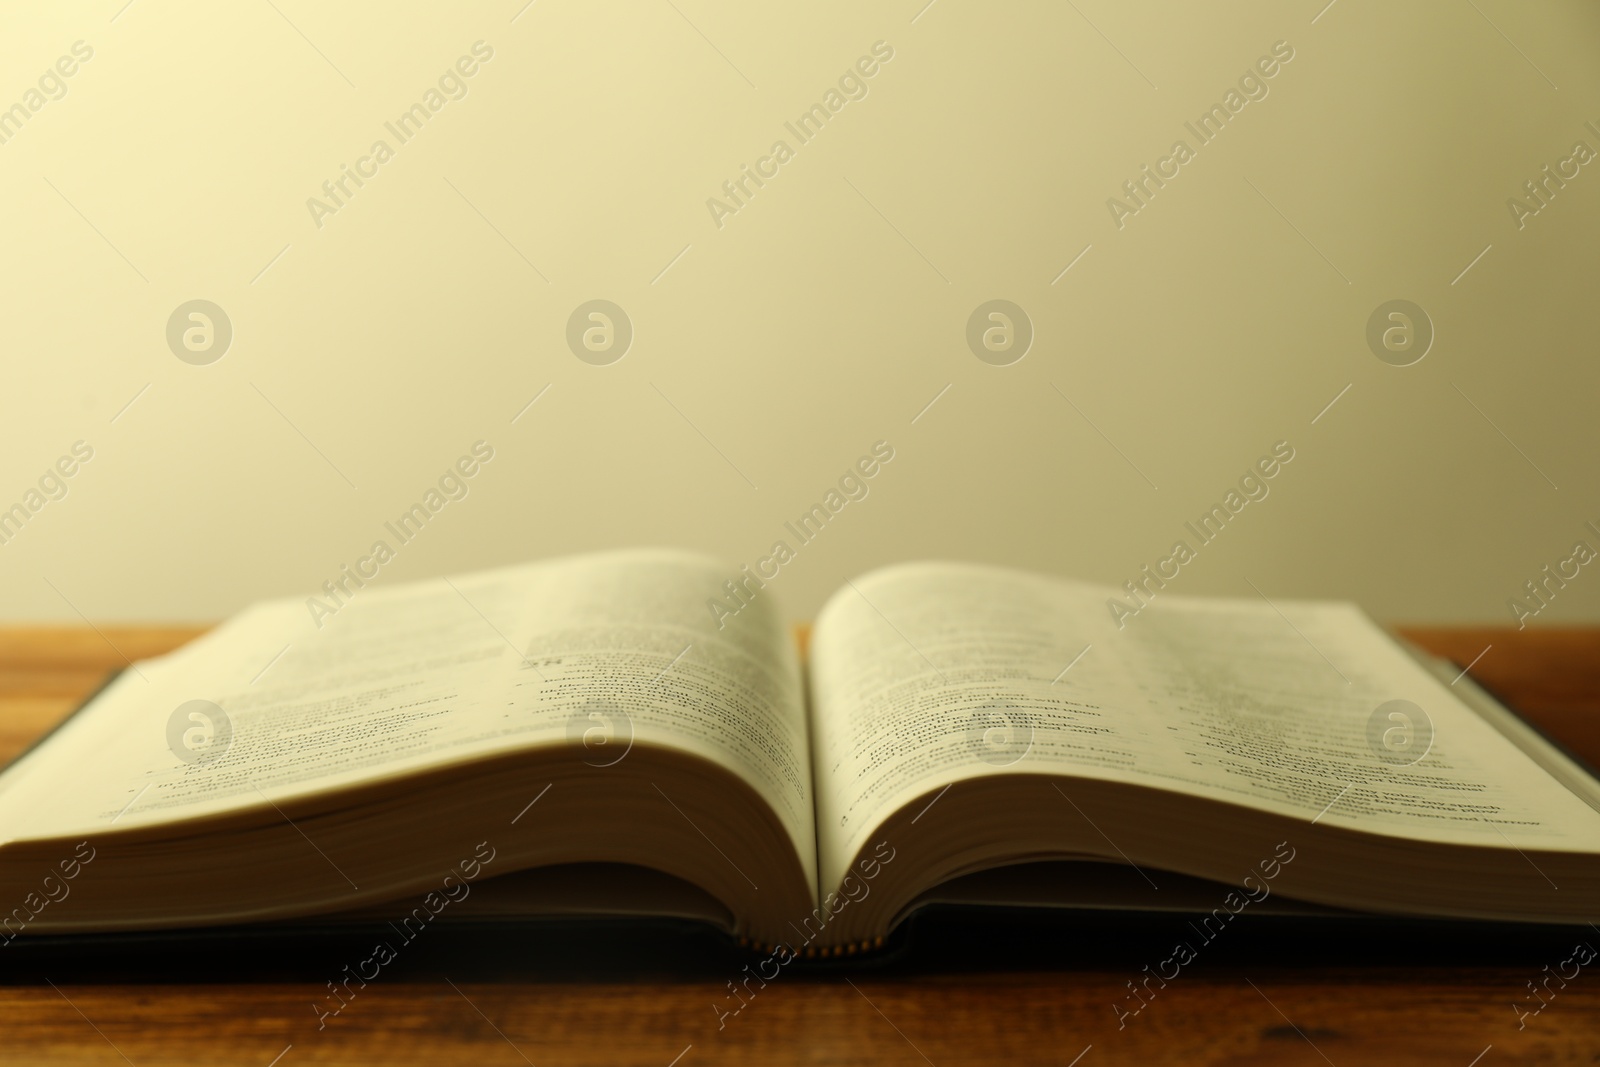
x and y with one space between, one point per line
812 952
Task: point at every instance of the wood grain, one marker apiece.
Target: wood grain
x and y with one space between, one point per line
1278 1008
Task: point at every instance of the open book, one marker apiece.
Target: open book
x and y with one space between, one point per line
636 733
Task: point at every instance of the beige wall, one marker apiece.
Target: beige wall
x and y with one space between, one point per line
819 318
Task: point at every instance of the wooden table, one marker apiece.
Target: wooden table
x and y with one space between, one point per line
1281 1009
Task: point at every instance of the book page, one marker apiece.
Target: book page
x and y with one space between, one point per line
605 651
925 675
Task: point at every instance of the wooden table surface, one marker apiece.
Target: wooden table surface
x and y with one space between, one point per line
1279 1009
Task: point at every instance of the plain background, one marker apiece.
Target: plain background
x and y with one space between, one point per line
772 351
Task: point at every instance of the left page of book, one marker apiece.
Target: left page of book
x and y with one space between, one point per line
284 701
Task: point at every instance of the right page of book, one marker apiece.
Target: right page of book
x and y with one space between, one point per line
927 674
